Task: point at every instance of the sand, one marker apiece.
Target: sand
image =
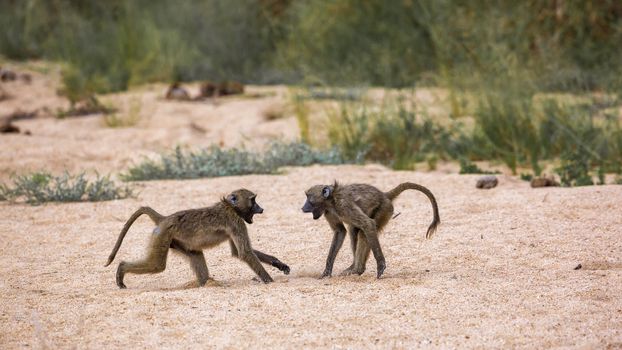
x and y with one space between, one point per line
499 273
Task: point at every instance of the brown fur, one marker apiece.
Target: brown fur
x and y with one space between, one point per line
366 210
191 231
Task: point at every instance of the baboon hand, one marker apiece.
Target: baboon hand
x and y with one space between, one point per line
267 279
279 265
381 266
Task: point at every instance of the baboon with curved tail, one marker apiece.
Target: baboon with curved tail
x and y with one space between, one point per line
366 210
191 231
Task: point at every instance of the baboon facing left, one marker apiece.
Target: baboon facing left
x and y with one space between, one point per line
366 210
191 231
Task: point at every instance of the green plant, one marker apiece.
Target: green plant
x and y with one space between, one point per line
393 135
301 111
526 176
575 169
131 118
466 167
214 162
41 187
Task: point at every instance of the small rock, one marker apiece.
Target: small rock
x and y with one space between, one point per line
487 182
8 128
578 267
7 75
544 182
176 92
207 89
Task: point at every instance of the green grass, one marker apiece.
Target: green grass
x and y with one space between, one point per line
42 187
215 162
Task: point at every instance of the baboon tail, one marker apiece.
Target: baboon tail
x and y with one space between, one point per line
143 210
413 186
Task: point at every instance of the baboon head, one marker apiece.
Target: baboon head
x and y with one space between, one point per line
243 201
318 198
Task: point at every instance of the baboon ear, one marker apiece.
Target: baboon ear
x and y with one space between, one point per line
326 191
233 199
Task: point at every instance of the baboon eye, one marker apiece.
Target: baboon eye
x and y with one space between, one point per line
233 198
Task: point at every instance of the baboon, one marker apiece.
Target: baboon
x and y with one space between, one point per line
366 210
190 231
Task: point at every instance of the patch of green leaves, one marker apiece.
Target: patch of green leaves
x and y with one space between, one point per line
41 187
215 162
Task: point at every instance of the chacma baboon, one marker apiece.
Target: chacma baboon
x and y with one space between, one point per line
366 210
191 231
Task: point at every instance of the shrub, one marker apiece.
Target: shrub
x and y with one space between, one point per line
392 135
41 187
214 162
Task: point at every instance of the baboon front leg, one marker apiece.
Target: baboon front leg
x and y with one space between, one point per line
353 233
246 254
265 258
338 237
197 261
269 259
155 261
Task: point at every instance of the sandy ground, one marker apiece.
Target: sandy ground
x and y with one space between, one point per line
499 273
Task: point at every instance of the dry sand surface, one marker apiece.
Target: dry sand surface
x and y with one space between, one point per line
499 273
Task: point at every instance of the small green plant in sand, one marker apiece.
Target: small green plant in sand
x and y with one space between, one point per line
214 162
41 187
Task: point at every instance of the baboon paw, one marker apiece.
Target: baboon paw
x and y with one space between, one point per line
347 272
121 286
381 269
284 268
325 275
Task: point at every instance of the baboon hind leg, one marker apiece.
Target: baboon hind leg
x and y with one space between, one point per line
155 261
381 216
197 261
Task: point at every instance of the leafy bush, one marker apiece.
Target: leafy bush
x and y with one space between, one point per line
41 187
392 135
214 162
575 169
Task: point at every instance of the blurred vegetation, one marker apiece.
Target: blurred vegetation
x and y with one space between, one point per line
41 187
559 45
541 79
214 162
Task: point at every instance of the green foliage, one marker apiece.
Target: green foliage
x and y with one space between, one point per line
526 176
393 135
466 167
131 118
214 162
575 169
563 45
41 187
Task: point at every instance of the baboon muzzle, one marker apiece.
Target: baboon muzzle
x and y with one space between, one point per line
257 209
308 208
